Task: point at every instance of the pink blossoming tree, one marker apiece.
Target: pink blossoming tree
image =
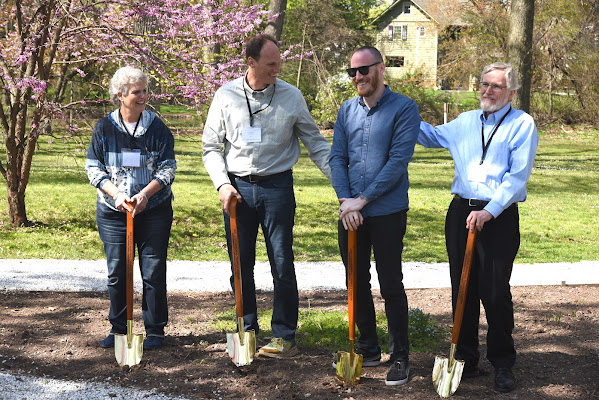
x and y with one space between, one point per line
45 44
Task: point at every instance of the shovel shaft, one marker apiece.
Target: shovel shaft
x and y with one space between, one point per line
461 302
352 276
236 260
129 265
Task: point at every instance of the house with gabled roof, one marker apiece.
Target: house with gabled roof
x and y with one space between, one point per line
408 34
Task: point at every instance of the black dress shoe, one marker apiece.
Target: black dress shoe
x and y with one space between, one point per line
504 380
470 371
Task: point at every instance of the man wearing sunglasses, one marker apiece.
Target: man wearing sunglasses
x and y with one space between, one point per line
493 150
373 142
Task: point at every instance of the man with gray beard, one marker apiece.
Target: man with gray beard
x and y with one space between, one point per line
491 171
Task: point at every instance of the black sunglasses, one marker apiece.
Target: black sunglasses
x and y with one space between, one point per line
364 70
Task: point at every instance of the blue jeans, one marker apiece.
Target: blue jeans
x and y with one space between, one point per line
383 234
269 204
152 230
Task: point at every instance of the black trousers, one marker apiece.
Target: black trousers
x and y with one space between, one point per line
495 250
383 234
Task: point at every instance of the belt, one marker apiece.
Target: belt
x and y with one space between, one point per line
259 178
471 202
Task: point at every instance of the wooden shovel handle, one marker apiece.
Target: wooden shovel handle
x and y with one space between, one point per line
352 277
129 263
236 258
459 309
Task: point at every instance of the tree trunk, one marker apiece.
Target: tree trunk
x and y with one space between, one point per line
520 49
275 27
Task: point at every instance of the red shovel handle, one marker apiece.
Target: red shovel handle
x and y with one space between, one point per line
459 309
129 263
236 258
352 277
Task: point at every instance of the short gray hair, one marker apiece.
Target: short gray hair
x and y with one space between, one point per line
511 77
121 80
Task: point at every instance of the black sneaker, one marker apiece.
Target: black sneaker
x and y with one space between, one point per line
470 371
398 374
504 380
369 358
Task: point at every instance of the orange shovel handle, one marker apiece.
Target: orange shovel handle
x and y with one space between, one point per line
129 264
236 259
352 277
459 309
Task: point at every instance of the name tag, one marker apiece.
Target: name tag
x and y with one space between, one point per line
252 134
477 173
131 158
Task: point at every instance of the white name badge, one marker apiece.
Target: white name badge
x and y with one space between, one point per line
131 157
252 134
477 173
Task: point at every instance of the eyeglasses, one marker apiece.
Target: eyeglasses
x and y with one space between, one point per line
485 86
364 70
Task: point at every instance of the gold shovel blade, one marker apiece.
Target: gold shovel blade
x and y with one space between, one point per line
349 367
446 378
241 347
128 353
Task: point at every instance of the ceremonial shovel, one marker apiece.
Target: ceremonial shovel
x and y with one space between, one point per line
447 373
240 345
128 348
349 365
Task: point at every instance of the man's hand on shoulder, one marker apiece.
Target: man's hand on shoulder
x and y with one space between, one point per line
225 193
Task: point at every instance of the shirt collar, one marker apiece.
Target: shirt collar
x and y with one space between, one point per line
267 91
147 117
496 116
383 97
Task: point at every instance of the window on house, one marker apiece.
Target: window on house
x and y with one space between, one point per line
406 8
397 32
397 61
421 31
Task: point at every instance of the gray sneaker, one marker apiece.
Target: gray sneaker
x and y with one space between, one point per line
369 358
398 374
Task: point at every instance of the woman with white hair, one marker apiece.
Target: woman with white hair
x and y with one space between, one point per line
131 159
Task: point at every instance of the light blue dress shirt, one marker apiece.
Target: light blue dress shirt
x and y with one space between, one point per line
501 178
371 150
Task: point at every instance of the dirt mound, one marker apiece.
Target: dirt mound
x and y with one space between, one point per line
56 334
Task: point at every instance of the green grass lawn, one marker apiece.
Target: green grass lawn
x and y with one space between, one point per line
557 220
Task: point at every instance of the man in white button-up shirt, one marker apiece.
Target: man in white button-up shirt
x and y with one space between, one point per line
493 150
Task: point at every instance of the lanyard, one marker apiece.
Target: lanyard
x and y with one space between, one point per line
260 110
131 135
482 136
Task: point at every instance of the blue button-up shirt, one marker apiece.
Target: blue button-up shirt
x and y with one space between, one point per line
371 150
501 178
